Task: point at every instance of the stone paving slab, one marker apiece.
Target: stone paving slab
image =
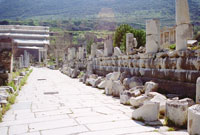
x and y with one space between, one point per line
113 125
53 104
4 130
52 124
121 131
66 131
18 129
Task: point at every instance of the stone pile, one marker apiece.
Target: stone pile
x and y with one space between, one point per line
4 94
71 72
147 103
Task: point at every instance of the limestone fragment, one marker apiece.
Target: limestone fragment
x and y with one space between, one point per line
102 85
131 44
148 112
132 82
194 120
117 51
117 88
177 111
150 87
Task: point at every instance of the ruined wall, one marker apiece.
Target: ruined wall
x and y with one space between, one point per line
175 71
6 59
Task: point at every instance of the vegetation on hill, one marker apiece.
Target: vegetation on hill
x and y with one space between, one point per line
132 12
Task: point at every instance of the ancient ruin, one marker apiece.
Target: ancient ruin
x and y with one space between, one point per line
137 75
22 45
160 87
184 30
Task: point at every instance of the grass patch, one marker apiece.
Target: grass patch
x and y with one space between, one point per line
12 98
12 84
24 79
171 129
170 123
1 116
81 74
4 109
156 130
172 46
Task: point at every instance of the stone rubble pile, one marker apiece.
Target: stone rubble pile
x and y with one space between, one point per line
5 92
148 104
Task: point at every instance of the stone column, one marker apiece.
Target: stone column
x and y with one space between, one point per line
21 61
184 30
45 56
198 91
81 52
108 46
39 55
25 58
131 43
93 50
152 35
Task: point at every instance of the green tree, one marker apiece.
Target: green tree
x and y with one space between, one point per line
89 44
120 36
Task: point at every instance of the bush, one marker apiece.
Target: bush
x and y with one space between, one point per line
12 98
120 36
12 84
89 44
172 47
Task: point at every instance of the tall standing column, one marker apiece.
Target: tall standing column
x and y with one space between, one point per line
152 35
184 30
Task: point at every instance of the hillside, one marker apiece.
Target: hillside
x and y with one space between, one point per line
129 11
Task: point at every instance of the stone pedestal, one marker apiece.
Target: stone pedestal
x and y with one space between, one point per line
177 111
22 61
131 43
117 51
39 56
194 120
93 50
152 36
71 53
198 91
148 112
108 47
184 33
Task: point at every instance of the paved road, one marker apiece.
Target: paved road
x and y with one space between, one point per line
53 104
